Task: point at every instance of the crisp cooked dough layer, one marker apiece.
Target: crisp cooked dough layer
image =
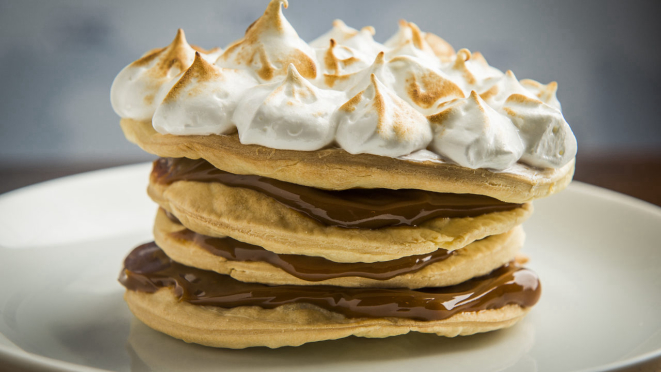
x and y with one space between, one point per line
213 209
293 325
337 170
477 258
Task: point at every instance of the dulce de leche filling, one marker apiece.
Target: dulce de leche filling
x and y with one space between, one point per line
307 268
148 269
353 208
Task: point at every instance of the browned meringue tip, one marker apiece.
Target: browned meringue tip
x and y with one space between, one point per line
380 58
479 58
548 89
200 70
180 38
464 54
176 54
292 74
439 46
339 23
369 29
418 41
402 23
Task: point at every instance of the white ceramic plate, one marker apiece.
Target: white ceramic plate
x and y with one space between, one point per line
62 244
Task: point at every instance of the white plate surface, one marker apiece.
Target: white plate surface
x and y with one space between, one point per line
61 308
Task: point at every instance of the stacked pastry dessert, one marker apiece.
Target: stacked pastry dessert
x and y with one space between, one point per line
344 187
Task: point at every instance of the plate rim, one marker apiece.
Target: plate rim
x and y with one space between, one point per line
27 359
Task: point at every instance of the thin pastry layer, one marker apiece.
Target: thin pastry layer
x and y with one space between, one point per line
213 209
336 169
477 258
295 324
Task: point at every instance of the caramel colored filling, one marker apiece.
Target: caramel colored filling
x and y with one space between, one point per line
148 269
353 208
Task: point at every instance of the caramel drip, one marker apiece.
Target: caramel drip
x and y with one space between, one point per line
147 269
353 208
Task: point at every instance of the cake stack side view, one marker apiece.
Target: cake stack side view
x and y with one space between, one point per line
310 192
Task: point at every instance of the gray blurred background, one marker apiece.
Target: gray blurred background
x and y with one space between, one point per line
58 60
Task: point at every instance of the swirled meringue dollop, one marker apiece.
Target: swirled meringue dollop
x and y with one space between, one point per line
472 72
140 87
548 139
545 93
203 100
340 59
441 48
269 46
474 135
340 32
291 114
409 41
502 89
422 87
376 121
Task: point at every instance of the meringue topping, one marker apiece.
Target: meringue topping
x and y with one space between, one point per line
291 114
474 135
203 100
340 33
137 89
376 121
545 93
505 87
422 87
472 72
363 40
441 48
548 139
341 59
409 41
269 45
282 93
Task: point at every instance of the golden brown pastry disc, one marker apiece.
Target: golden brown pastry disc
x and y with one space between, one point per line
295 324
336 169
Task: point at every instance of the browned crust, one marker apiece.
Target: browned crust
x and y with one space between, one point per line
336 169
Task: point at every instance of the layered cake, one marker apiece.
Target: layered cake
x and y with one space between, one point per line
314 191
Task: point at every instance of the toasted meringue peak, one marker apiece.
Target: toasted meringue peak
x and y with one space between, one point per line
545 93
472 74
290 114
443 50
548 139
421 86
363 41
409 41
269 45
505 87
340 59
140 87
358 81
376 121
472 134
203 100
340 32
210 55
